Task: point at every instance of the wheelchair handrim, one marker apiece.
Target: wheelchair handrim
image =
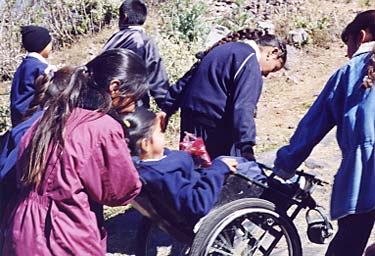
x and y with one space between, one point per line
239 213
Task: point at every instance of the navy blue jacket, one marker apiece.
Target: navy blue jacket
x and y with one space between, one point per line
192 192
134 39
22 91
222 93
9 153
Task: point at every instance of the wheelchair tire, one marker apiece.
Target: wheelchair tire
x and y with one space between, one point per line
151 241
247 226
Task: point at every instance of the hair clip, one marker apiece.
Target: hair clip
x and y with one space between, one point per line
127 123
85 69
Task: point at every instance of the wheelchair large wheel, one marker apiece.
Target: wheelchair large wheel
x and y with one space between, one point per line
151 241
247 226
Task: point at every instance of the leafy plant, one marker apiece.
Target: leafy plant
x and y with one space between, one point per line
66 19
238 17
183 20
319 28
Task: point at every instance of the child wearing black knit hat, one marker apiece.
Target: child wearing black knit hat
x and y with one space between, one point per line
37 41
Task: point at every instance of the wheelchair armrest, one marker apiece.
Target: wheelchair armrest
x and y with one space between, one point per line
237 186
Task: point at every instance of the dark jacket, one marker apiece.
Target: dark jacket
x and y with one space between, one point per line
191 192
10 148
22 90
134 39
220 96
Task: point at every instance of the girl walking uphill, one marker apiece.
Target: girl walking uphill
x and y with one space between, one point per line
74 160
348 102
218 96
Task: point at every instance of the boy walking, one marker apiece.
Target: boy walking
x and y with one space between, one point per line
38 43
133 14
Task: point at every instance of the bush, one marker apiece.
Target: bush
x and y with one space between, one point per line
183 20
65 19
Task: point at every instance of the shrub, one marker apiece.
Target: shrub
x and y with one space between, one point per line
65 19
183 20
238 17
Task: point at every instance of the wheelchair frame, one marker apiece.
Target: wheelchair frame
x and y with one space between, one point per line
233 193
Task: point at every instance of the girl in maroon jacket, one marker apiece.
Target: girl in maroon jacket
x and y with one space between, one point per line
75 159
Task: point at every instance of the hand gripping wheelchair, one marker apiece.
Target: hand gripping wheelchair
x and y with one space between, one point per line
249 218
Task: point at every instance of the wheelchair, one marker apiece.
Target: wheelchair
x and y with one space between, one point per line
249 218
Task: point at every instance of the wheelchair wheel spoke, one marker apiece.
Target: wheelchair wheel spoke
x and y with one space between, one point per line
223 244
221 252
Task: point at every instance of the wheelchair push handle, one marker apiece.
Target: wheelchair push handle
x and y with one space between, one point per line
311 178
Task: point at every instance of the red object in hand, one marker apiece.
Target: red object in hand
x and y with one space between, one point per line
196 148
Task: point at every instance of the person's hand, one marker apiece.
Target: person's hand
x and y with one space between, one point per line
370 250
286 175
163 120
230 162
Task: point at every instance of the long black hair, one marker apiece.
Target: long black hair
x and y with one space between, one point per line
88 87
44 88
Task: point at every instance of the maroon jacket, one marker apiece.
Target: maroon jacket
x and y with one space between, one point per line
65 216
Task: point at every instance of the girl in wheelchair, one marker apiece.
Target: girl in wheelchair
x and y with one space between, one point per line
171 175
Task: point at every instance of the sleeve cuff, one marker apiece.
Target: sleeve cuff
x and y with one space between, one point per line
283 173
219 166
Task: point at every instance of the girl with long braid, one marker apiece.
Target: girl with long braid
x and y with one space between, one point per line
218 96
347 102
73 160
43 89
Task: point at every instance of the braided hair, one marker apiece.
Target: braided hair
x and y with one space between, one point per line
44 89
260 37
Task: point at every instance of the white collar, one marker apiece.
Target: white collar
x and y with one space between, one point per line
133 27
365 47
150 160
253 45
136 27
37 56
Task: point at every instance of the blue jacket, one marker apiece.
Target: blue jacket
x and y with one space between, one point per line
22 90
133 38
9 154
343 103
223 90
191 192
